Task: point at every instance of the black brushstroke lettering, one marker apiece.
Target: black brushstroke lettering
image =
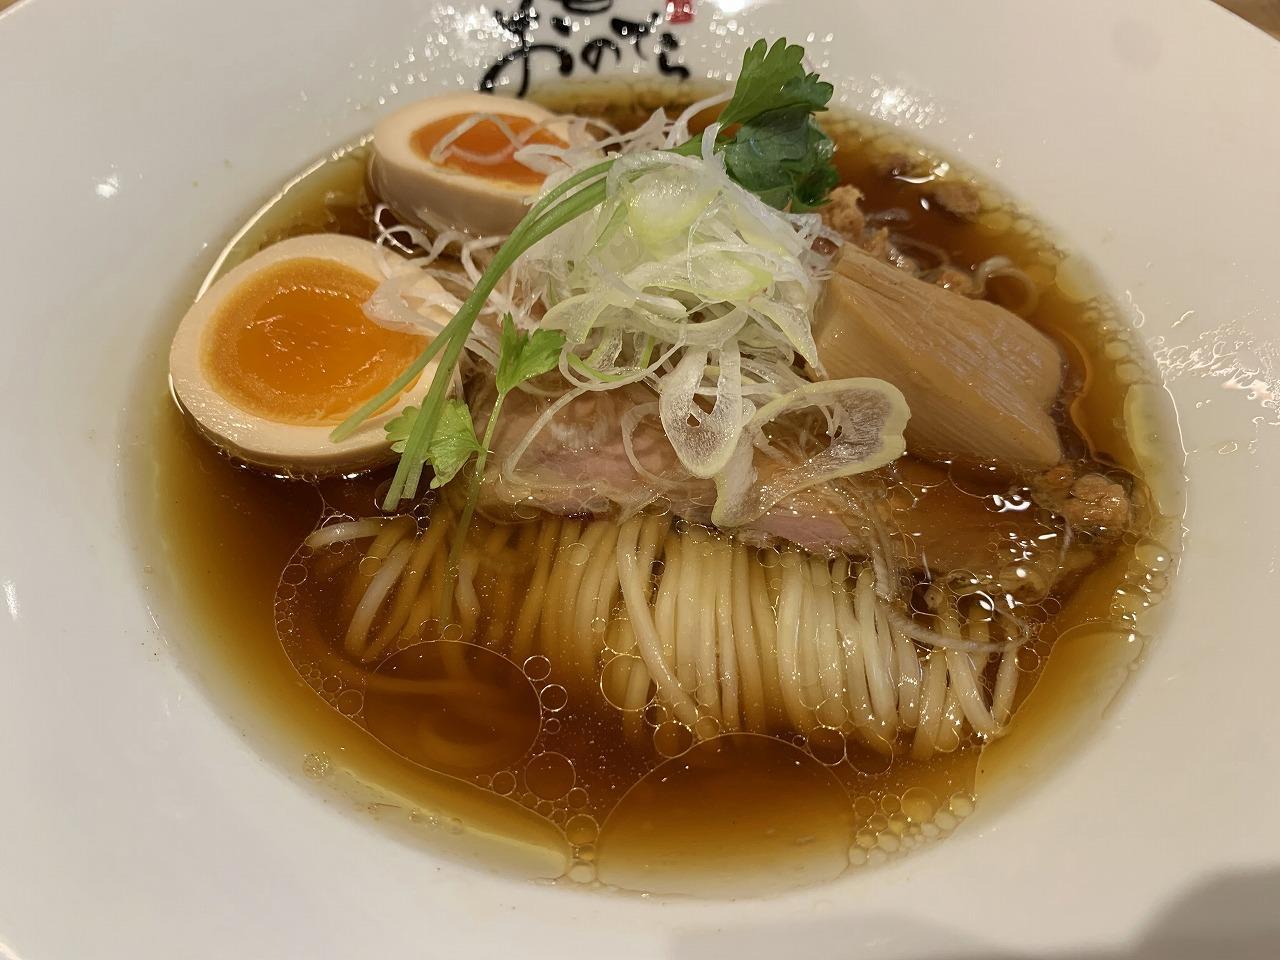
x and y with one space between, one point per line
519 25
593 52
634 31
669 43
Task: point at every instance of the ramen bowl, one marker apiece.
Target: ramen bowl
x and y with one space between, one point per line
151 807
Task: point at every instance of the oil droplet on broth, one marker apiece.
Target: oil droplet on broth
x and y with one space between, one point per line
827 746
919 805
453 707
581 828
614 679
708 821
549 776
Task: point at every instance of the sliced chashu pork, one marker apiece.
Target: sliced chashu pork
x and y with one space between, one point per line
578 465
979 380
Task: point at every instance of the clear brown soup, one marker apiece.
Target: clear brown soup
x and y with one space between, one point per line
557 789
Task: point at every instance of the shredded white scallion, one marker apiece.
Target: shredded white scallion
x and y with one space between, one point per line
685 282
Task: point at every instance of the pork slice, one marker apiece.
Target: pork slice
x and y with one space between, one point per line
577 464
980 380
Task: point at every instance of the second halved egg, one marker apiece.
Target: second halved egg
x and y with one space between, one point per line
448 162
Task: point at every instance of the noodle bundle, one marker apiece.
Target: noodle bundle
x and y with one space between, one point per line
723 636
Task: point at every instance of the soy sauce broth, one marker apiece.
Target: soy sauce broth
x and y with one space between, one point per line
560 793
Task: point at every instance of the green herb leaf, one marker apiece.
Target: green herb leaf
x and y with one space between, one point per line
524 357
451 445
398 430
784 158
453 442
774 78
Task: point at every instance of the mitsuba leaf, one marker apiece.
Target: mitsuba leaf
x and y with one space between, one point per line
523 356
451 445
399 428
783 157
774 78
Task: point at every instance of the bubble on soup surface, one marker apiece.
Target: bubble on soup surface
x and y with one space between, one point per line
549 775
869 759
919 804
452 707
349 702
554 697
826 745
962 804
581 828
503 782
537 668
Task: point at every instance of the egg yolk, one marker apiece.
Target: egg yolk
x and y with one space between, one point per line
292 345
484 150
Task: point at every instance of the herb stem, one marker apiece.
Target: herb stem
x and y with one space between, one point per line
583 366
473 495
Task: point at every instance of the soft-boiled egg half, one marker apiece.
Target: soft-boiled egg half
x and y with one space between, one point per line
449 162
278 352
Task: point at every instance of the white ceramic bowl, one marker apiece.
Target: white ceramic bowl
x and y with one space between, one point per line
142 814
